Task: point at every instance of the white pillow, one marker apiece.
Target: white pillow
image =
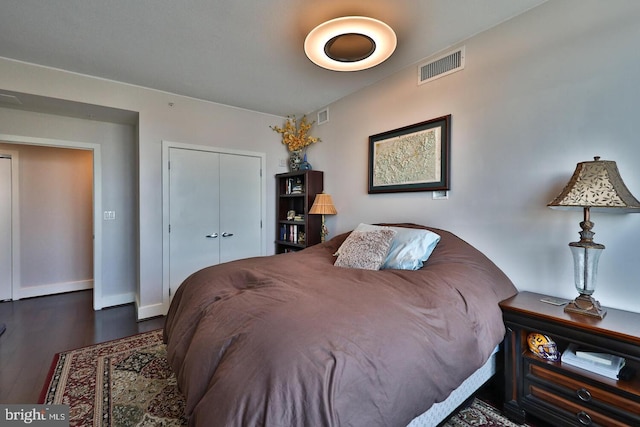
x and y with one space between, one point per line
410 247
365 249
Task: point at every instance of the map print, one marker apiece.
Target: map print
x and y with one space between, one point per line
408 159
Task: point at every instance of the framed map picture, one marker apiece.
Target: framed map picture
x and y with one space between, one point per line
412 158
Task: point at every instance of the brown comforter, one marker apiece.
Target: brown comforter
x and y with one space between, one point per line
290 340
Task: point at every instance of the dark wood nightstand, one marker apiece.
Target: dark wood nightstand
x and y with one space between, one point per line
559 393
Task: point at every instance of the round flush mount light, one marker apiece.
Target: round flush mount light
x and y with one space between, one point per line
350 43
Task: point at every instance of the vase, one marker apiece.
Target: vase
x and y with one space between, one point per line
305 165
295 160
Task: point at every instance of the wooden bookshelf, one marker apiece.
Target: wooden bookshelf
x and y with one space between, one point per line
295 193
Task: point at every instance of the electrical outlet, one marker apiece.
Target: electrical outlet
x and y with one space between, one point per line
283 163
109 215
440 195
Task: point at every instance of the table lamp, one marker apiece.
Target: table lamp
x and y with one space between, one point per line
323 205
595 185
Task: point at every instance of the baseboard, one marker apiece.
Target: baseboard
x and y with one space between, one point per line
149 311
119 299
52 288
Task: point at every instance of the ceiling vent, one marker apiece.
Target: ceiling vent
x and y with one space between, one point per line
441 66
323 116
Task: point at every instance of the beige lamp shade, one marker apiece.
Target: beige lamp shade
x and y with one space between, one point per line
596 184
323 205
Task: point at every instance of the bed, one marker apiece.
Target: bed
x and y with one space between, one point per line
295 340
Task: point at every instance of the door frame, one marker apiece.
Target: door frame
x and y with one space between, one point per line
15 218
97 203
166 146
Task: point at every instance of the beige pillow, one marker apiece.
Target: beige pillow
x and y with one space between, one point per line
365 249
410 247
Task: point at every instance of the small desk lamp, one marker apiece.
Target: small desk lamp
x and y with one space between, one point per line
323 205
597 185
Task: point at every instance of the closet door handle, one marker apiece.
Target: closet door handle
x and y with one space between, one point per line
225 234
211 236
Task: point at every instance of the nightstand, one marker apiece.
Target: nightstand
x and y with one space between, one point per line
559 393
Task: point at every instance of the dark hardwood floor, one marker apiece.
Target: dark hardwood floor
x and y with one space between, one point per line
38 328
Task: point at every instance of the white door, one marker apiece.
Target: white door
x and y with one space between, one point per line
240 207
5 229
193 213
215 210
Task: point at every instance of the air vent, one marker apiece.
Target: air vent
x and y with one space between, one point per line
442 66
323 116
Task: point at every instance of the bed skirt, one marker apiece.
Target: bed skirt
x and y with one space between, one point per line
441 410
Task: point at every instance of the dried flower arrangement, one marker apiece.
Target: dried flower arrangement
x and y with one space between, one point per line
295 134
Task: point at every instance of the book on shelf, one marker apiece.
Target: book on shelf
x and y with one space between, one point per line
608 365
294 185
289 233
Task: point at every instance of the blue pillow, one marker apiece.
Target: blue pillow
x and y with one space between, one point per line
410 247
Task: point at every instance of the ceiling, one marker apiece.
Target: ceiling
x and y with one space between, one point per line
244 53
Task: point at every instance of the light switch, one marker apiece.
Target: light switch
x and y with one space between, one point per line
440 195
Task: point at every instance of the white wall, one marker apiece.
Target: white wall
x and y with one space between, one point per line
186 121
540 93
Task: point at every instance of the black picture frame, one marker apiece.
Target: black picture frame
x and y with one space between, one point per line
411 158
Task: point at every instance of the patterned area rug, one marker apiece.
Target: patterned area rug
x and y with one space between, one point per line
480 414
128 382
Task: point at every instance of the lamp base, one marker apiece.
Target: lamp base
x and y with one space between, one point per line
586 305
323 231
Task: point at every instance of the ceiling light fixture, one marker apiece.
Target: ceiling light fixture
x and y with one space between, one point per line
350 43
